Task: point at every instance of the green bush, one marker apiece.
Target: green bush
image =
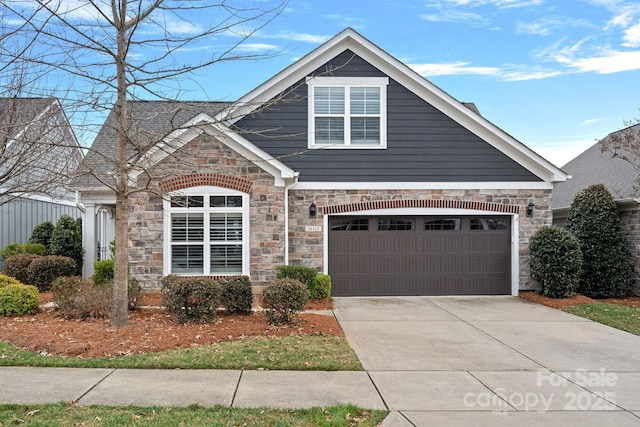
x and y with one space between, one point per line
191 299
44 270
102 271
66 240
283 299
77 298
236 294
7 280
18 266
14 249
556 261
306 275
323 286
18 300
42 234
593 219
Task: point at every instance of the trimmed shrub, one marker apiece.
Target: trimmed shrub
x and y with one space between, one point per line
102 271
66 240
556 261
593 219
323 286
306 275
18 300
134 293
283 299
14 249
236 294
44 270
77 298
191 299
7 280
18 266
42 234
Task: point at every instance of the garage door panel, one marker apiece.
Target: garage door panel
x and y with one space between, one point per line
474 258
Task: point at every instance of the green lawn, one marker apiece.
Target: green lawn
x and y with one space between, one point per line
300 353
63 415
617 316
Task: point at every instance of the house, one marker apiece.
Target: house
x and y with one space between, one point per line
347 161
598 166
39 152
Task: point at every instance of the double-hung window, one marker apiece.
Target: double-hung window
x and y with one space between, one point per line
346 112
206 232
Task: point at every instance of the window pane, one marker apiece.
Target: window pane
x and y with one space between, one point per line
392 224
348 224
226 259
187 227
187 259
365 100
365 130
442 224
187 201
329 100
329 130
226 227
225 201
486 224
234 201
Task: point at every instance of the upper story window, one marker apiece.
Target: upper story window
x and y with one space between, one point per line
346 112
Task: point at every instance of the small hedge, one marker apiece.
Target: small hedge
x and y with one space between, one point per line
556 261
18 266
191 299
77 298
44 270
306 275
17 299
14 249
323 286
102 271
283 299
236 294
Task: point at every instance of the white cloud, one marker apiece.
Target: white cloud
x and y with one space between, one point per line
632 36
610 62
298 37
451 15
589 121
452 68
256 47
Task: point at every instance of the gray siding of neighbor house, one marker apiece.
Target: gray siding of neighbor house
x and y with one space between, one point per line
20 216
423 144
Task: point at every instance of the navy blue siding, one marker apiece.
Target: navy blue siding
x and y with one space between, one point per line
423 144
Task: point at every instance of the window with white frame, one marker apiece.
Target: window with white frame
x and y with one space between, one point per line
346 112
206 232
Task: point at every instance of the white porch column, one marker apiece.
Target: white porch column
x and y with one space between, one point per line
89 239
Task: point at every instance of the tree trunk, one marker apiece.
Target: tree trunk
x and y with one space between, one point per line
120 304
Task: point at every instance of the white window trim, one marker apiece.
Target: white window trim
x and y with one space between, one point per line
347 83
206 191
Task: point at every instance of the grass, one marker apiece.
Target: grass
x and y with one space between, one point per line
301 353
63 415
617 316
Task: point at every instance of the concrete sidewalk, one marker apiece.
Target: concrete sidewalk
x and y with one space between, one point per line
162 387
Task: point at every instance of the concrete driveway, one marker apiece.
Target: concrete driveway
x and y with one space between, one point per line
492 361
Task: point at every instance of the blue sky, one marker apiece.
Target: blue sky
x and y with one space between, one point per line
557 75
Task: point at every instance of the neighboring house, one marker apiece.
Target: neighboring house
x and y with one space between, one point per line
38 152
347 161
595 166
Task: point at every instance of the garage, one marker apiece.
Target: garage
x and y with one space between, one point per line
420 255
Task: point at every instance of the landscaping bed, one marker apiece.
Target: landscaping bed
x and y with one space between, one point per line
150 329
560 303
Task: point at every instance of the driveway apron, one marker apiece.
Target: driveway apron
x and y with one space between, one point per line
492 361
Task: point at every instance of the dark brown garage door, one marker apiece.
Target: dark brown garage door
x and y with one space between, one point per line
449 255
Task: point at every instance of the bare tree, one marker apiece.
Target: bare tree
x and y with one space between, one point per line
625 144
119 50
31 134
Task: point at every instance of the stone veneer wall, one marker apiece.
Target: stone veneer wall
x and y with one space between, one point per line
630 225
306 248
267 204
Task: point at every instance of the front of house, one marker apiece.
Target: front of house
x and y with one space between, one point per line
346 161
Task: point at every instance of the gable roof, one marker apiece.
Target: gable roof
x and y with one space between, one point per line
351 40
594 166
